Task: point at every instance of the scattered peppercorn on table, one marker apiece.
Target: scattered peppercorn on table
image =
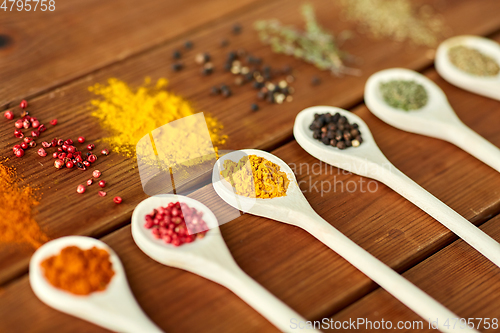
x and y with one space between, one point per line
53 65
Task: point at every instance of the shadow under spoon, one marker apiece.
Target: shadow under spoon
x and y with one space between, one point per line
295 210
114 308
208 257
436 119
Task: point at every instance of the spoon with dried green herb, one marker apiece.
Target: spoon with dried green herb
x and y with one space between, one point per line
411 102
471 63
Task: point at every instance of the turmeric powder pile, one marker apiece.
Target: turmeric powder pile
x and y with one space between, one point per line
256 177
132 114
78 271
17 224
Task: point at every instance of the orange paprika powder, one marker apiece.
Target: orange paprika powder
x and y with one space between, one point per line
78 271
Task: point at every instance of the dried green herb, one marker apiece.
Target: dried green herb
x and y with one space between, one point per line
314 45
399 20
472 61
405 95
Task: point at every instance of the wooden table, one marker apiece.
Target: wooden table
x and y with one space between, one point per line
50 58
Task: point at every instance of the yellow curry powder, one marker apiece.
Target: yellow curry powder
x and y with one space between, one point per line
17 224
256 177
131 114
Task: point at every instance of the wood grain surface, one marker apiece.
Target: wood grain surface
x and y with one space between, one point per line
84 36
291 264
70 105
464 281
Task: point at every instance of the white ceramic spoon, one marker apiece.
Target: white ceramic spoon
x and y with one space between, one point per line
114 308
208 257
483 85
436 119
295 210
367 160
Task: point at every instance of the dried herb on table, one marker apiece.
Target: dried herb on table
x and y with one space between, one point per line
472 61
405 95
399 20
314 45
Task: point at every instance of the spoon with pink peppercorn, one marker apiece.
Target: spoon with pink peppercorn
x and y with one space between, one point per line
196 245
295 210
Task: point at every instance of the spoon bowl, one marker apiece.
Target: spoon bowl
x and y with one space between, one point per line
436 119
488 86
113 308
208 257
295 210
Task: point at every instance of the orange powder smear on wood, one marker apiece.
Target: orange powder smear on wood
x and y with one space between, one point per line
78 271
17 224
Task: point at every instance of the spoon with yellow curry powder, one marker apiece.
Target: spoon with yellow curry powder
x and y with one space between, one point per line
259 183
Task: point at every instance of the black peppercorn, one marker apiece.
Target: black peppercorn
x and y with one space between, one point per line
226 92
224 43
176 54
236 29
315 81
261 95
214 91
177 66
254 107
335 130
188 45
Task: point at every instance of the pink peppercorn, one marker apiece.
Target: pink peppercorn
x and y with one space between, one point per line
23 104
102 183
59 164
81 139
96 173
9 114
102 193
117 200
35 124
80 189
53 122
90 182
105 152
19 124
92 158
90 146
19 153
176 224
42 152
69 164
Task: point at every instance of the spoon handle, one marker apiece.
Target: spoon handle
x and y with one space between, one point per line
464 229
270 307
406 292
465 138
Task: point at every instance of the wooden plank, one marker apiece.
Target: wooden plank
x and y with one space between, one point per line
87 35
63 212
463 280
287 261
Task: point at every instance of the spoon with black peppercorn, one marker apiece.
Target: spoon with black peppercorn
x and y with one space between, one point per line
368 161
208 257
435 119
114 308
487 82
294 209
